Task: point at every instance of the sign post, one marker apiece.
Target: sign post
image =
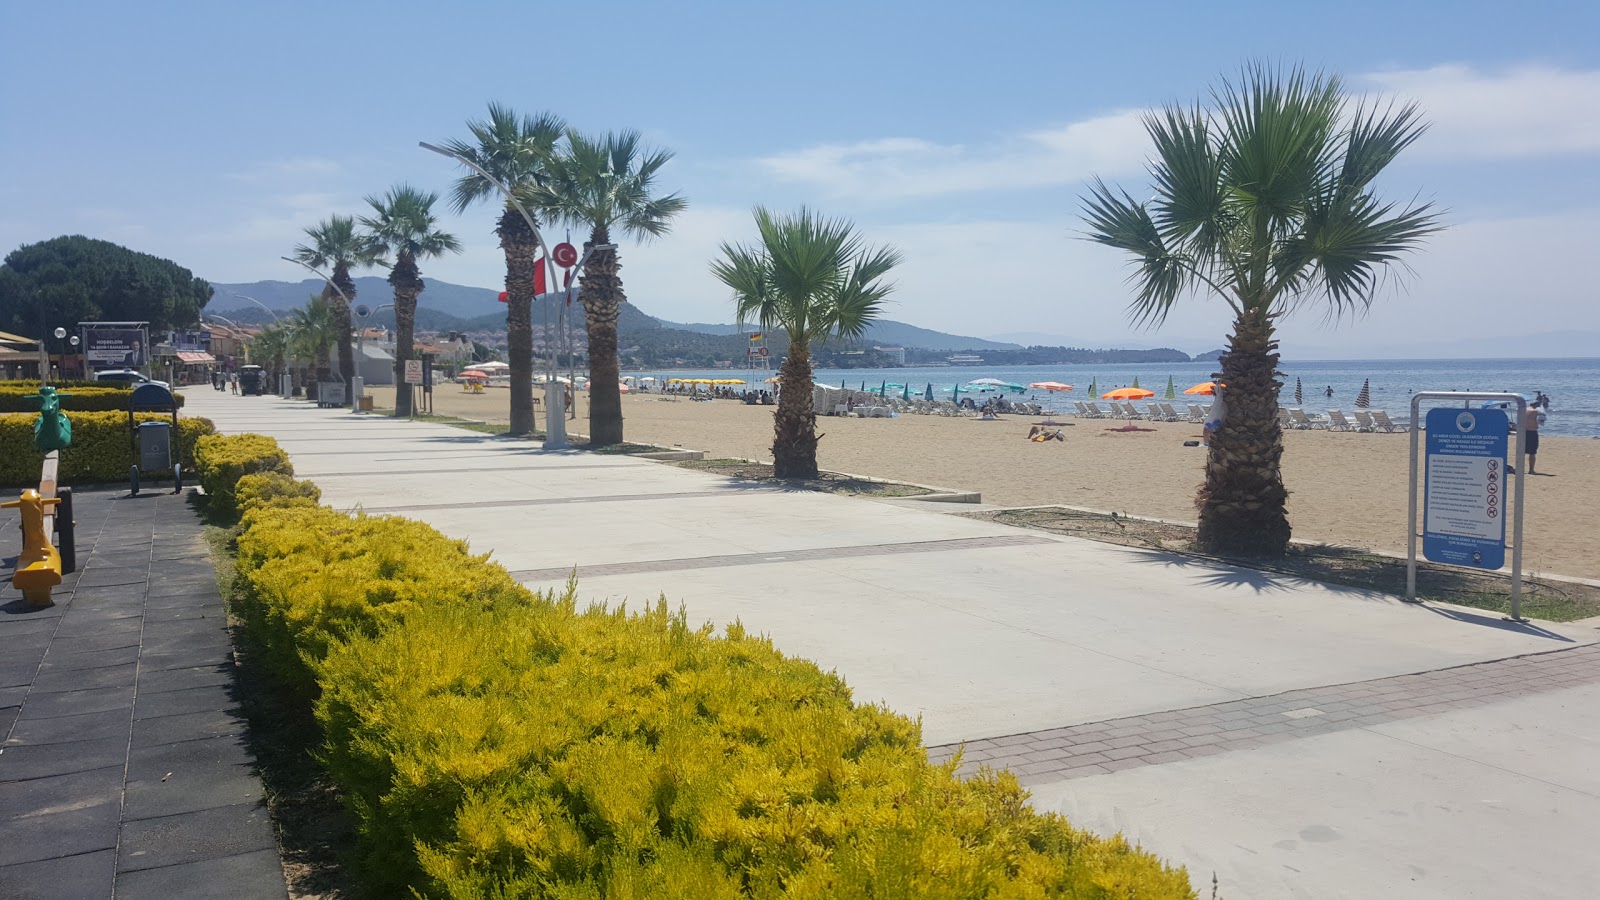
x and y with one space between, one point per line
1464 487
413 378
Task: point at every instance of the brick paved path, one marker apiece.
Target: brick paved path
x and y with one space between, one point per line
1095 748
123 767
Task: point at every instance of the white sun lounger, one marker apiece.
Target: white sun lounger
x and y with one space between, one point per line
1197 412
1364 421
1381 419
1302 421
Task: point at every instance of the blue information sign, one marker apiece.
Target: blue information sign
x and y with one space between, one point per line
1463 513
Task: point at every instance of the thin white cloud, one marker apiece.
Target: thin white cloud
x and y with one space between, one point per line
906 168
1528 111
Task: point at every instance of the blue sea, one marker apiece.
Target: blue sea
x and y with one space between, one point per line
1573 385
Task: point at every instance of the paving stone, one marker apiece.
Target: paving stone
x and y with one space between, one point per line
186 727
58 661
67 703
60 815
20 672
73 627
77 877
98 642
212 639
186 700
194 836
163 680
187 658
22 642
26 761
257 874
15 625
62 729
112 577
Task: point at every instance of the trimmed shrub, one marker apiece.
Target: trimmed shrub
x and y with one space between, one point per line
222 459
75 397
495 743
274 489
100 450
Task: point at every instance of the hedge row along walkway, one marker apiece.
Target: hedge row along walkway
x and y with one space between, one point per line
124 768
999 636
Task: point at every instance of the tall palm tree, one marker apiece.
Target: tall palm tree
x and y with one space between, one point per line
515 150
313 329
1267 202
403 224
271 350
812 277
602 184
336 244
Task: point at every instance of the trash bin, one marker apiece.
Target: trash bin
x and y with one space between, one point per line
155 446
364 402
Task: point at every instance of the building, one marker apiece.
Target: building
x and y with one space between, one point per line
899 354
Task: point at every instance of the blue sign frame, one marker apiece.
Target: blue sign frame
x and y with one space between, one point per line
1464 494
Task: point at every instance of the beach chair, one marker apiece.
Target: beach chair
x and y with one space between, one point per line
1302 421
1094 410
1128 412
1197 413
1381 419
1337 421
1283 418
1154 413
1083 412
1364 421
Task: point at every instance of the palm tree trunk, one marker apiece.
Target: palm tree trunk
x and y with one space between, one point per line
519 245
1243 502
794 423
408 284
602 303
341 316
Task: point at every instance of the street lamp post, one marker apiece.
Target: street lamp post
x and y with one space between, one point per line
555 419
258 303
356 387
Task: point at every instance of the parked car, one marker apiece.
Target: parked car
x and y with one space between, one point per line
130 377
252 380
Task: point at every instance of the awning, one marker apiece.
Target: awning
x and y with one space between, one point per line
194 357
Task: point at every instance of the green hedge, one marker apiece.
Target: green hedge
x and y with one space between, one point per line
221 460
77 396
274 489
497 743
100 451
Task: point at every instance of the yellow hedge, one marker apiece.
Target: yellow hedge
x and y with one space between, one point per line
75 397
100 450
495 743
274 489
222 459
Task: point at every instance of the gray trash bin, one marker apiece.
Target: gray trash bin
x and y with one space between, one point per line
155 446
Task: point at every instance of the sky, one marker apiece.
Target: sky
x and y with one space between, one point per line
962 134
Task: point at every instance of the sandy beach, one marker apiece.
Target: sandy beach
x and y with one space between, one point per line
1345 488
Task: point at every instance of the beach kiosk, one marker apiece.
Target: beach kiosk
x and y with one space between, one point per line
151 442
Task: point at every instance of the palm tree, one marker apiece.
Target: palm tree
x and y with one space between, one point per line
335 243
271 350
515 150
313 329
601 184
404 225
813 278
1267 202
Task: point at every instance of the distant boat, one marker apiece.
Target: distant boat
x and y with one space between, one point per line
965 359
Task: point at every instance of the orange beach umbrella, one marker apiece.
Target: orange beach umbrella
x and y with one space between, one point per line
1209 387
1050 386
1128 394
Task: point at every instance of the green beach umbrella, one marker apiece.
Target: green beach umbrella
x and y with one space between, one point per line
841 384
1094 388
1172 392
928 394
906 393
883 389
1135 381
956 397
863 387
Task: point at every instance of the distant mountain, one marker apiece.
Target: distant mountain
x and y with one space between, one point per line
453 307
884 333
458 300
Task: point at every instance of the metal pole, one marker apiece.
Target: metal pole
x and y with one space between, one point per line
1411 502
1516 527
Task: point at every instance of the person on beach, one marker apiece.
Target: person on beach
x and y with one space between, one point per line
1214 418
1530 426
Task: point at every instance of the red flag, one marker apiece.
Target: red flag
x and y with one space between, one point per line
538 278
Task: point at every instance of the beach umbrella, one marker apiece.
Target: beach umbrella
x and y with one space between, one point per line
956 397
883 388
1136 381
474 374
1050 386
988 382
1364 399
1299 394
1128 393
863 387
927 394
1205 387
1172 391
905 392
1094 386
841 384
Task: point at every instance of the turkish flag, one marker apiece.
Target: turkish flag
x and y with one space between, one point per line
538 278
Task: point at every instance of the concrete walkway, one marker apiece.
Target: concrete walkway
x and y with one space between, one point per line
123 770
1005 638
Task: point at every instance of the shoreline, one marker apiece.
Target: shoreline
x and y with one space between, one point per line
1346 488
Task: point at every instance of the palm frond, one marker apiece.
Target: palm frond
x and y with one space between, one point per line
607 182
514 149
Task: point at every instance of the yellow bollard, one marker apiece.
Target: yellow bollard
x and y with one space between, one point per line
39 564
